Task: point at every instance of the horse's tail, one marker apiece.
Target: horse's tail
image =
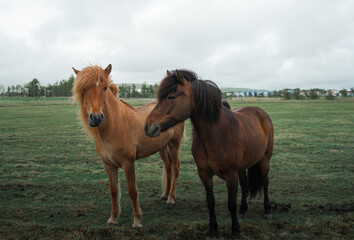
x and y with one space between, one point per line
255 180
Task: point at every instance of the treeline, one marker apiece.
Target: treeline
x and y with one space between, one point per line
130 91
315 93
35 89
63 89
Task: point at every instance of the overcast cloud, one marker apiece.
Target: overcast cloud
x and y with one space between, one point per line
255 44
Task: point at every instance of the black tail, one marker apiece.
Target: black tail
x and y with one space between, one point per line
255 180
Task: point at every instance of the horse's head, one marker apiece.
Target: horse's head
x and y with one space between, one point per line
175 103
90 90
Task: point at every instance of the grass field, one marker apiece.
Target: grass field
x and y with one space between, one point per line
53 185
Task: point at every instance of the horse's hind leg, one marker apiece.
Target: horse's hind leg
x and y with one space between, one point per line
265 165
232 185
166 175
244 187
173 148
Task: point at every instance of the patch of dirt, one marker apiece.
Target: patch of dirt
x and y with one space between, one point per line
281 207
344 208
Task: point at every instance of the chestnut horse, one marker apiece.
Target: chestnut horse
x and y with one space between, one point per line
118 130
225 142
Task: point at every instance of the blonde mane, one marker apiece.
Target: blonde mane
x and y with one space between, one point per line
85 79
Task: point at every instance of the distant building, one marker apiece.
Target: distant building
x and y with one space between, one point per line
334 92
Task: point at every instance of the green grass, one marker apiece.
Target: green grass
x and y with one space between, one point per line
53 185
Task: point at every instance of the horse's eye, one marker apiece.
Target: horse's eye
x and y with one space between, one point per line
171 97
105 88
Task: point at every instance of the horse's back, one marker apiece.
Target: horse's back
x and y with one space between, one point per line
255 115
257 126
146 107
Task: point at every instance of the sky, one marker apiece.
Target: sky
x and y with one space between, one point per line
242 44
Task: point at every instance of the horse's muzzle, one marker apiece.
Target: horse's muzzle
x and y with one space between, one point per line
152 131
95 120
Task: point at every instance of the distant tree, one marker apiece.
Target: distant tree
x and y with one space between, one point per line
18 89
313 94
123 91
24 91
280 93
156 87
135 93
2 90
344 92
129 92
62 88
296 93
352 92
13 90
144 90
286 94
152 92
49 91
33 88
43 91
70 84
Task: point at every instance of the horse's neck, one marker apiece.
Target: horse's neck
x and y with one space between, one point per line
207 129
202 127
115 111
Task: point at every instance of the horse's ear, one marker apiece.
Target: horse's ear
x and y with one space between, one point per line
108 69
180 78
168 73
76 71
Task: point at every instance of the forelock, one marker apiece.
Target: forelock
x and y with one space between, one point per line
170 82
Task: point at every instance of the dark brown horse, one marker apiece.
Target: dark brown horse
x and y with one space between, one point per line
225 142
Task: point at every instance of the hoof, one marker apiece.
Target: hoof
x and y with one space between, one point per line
170 205
163 198
137 225
112 221
268 216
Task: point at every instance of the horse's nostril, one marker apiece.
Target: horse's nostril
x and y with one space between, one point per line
146 126
102 116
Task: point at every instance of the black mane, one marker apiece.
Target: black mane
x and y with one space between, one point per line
207 95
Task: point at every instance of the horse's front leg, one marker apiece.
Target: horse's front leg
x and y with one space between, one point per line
166 175
114 188
173 155
129 171
207 180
